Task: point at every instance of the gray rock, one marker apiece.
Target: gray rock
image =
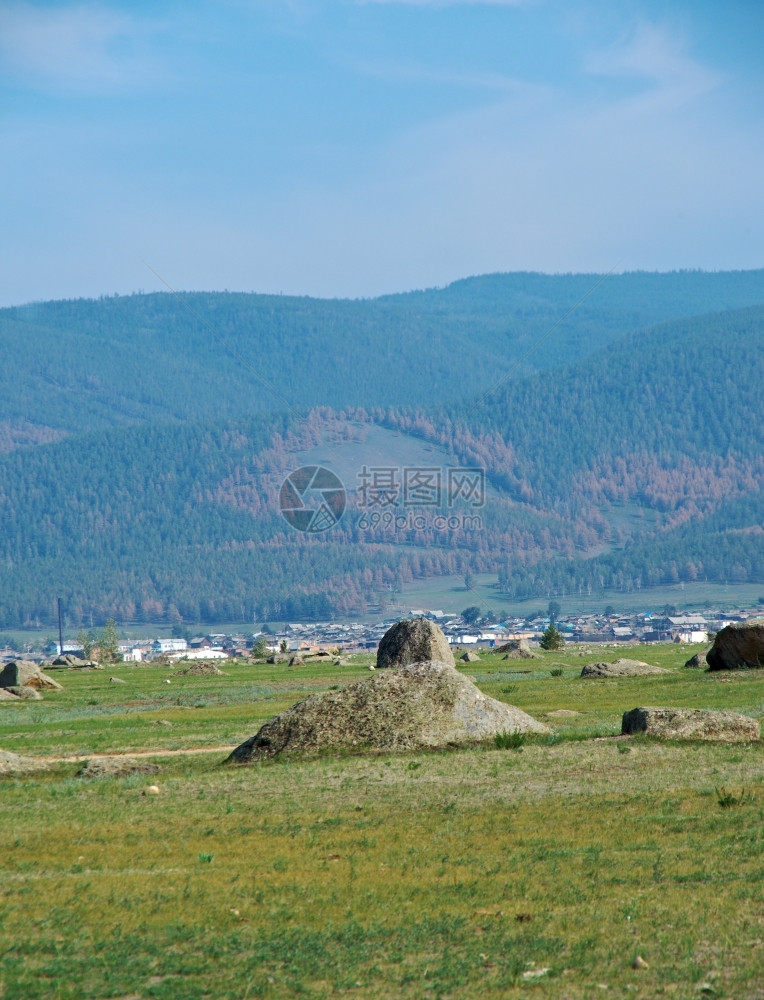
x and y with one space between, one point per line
698 660
517 649
414 707
621 668
26 693
691 724
469 657
200 670
15 763
278 658
414 640
22 673
738 647
297 661
115 767
116 680
6 695
70 661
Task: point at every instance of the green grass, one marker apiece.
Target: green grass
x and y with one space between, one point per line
448 593
448 874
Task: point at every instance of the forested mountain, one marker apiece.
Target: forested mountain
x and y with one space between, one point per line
77 366
638 464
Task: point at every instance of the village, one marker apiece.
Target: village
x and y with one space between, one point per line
473 632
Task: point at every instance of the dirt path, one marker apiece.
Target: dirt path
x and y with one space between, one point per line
77 758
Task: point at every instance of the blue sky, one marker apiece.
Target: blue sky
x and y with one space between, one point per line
358 147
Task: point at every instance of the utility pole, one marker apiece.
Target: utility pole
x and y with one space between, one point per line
60 631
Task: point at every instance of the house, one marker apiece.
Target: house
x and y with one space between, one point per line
164 646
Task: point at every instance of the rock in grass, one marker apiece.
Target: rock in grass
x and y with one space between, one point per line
469 657
738 647
116 680
414 640
71 662
22 673
698 660
418 706
517 649
25 693
690 724
115 767
15 763
200 670
621 668
6 695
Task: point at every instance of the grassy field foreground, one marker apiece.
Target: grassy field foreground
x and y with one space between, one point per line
536 872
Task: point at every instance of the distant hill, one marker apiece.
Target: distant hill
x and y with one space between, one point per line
640 463
82 365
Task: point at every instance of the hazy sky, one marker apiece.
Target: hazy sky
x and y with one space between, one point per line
356 147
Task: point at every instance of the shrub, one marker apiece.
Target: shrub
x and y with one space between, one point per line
509 741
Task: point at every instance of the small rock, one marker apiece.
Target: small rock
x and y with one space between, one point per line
621 668
535 973
166 680
116 680
640 963
152 790
26 693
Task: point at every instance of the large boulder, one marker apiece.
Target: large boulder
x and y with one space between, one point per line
691 724
738 647
414 640
415 707
517 649
22 673
621 668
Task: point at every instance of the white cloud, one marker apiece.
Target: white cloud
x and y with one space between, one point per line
655 54
77 46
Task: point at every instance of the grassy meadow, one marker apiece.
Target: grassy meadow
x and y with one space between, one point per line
535 872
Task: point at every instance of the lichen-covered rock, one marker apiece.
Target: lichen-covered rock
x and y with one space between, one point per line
691 724
621 668
414 640
22 673
517 649
115 767
738 647
25 693
199 670
68 661
415 707
15 763
698 660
